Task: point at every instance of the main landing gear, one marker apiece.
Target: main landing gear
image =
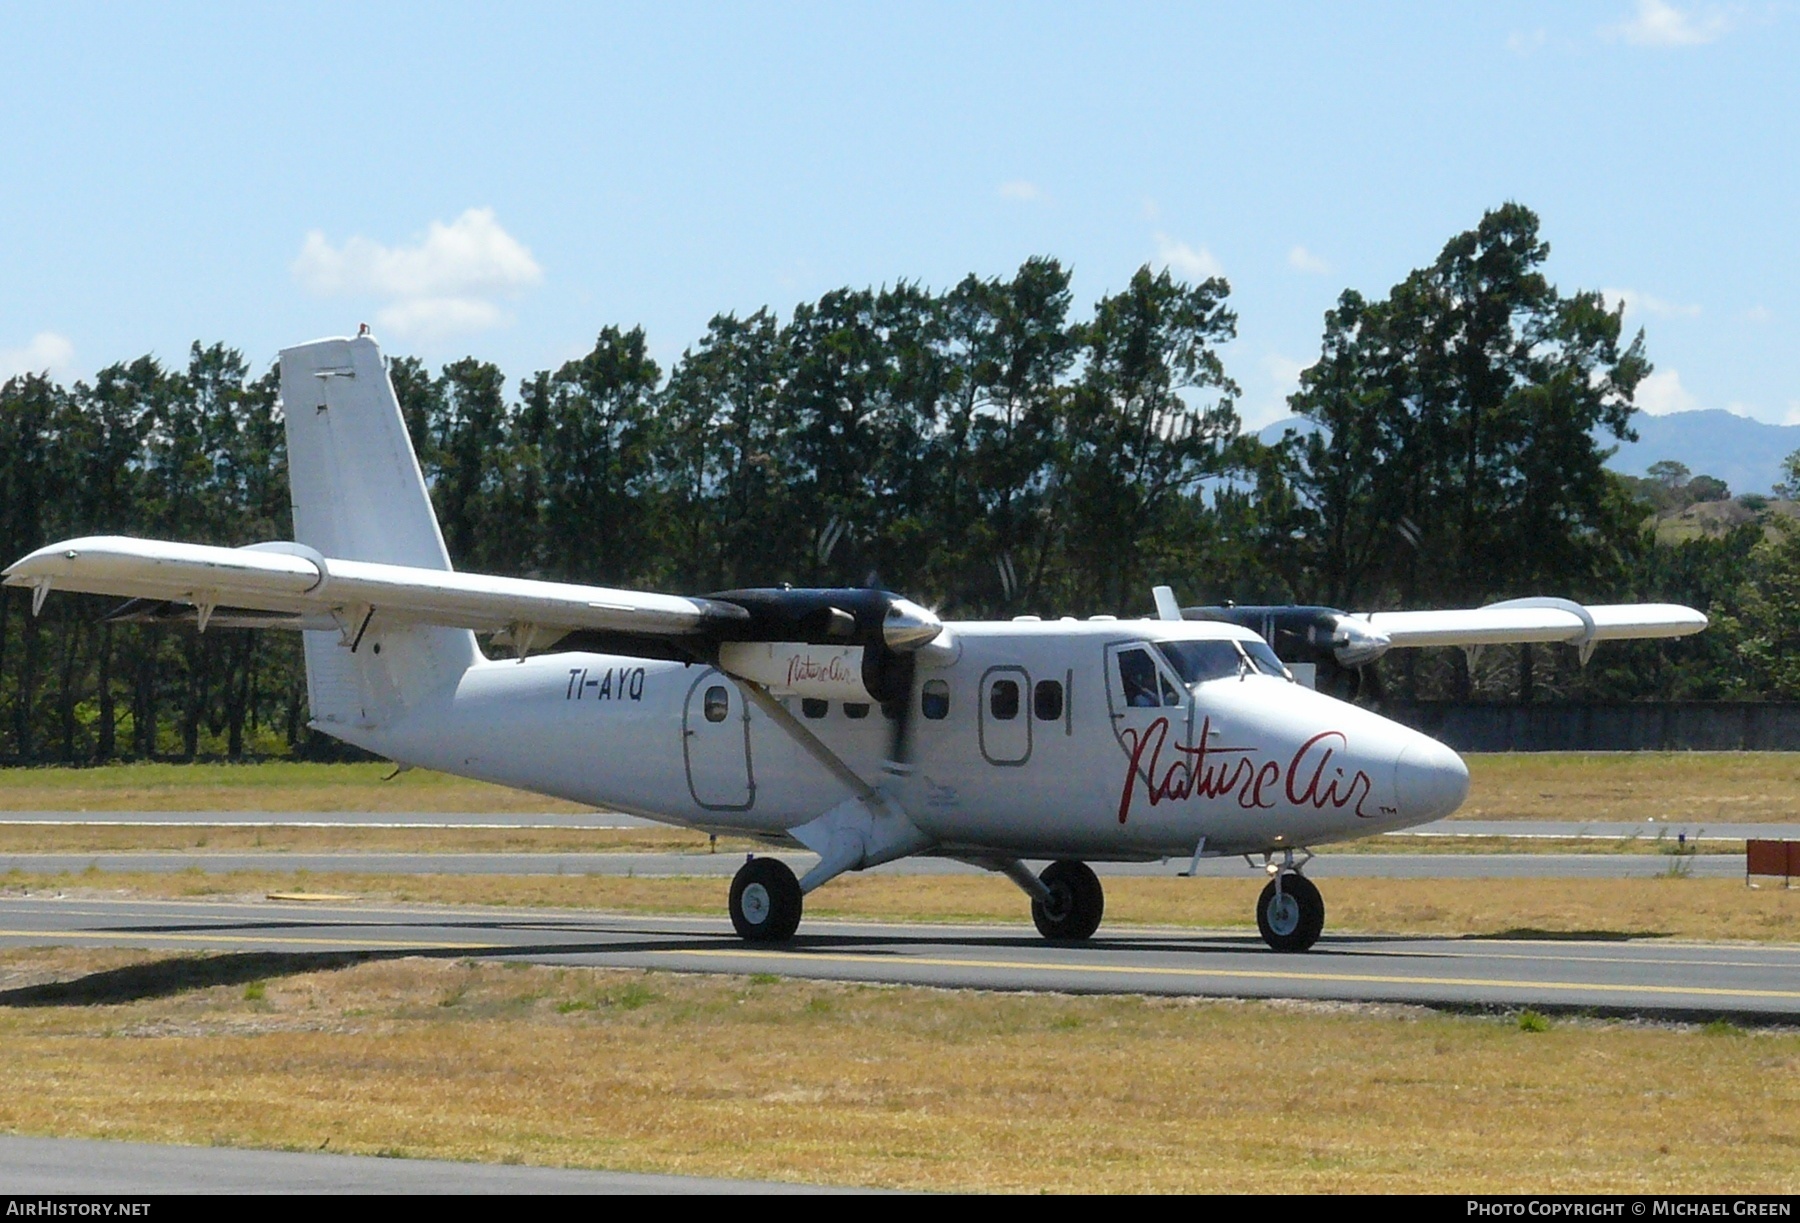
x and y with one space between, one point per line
765 901
1072 904
1290 913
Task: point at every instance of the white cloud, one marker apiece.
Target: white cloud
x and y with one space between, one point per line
472 254
443 283
1642 304
435 318
1757 314
1281 378
1021 189
1521 43
1303 260
46 352
1660 24
1793 413
1662 393
1180 257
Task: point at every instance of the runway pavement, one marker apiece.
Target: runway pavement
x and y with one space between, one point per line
332 819
1326 866
1608 976
92 1168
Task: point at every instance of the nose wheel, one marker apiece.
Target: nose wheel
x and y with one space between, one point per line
1290 913
765 901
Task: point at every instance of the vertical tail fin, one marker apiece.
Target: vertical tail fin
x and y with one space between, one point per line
358 494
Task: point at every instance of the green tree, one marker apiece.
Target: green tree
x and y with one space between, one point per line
1453 455
1148 420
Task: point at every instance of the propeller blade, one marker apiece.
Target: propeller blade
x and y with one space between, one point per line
900 743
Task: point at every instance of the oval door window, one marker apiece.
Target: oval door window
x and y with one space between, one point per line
717 704
1003 700
1005 736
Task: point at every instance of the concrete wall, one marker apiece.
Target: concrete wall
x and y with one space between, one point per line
1624 727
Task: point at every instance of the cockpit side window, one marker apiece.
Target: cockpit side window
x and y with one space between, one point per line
1170 695
1138 679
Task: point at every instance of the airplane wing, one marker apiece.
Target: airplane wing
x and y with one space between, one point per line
295 581
1327 635
1529 620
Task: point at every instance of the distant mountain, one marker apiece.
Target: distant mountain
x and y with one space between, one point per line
1744 453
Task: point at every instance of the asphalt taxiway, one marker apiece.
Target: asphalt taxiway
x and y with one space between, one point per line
94 1168
1638 977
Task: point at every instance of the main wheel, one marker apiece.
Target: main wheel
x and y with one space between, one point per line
1075 905
765 901
1291 919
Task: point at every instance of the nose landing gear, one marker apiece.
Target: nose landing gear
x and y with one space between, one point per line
1290 913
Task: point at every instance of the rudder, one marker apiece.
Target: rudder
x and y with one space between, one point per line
358 494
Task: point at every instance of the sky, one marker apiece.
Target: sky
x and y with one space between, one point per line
506 180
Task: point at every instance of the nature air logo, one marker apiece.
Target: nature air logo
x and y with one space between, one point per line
832 669
1173 771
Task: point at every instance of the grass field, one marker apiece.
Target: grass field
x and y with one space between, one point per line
1669 906
267 786
947 1090
1700 786
1723 787
860 1085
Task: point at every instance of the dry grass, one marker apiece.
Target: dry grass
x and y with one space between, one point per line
1722 787
926 1089
116 838
1678 907
269 786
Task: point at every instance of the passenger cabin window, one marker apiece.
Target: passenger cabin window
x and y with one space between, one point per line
853 709
717 703
934 699
1003 700
813 707
1047 700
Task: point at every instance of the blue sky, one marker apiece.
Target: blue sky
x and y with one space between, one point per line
506 180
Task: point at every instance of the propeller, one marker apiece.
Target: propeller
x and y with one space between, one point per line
1337 643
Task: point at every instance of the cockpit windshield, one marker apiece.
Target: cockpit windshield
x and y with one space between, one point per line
1264 659
1199 661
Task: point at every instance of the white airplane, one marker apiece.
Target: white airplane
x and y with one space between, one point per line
853 723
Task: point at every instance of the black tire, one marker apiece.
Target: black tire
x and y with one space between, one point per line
1296 925
1076 902
765 901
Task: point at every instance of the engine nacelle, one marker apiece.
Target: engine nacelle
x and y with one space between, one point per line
792 668
847 644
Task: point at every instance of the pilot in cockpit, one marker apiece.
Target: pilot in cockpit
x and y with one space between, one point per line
1137 674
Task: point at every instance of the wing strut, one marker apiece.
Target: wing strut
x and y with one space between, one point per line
864 830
